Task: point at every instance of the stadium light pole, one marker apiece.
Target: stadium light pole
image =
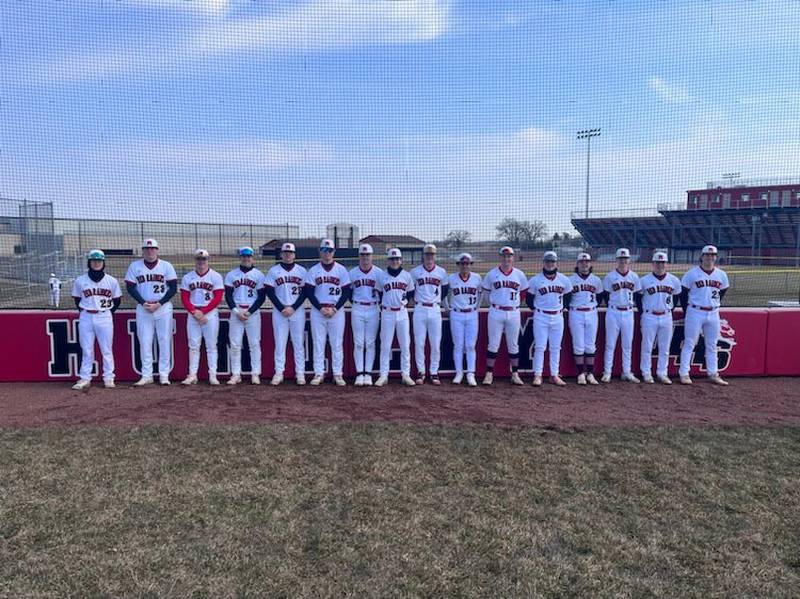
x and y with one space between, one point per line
588 134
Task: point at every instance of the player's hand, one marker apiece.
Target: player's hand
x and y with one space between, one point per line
198 315
243 316
151 306
326 312
288 311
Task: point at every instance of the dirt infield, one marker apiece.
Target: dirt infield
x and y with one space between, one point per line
762 401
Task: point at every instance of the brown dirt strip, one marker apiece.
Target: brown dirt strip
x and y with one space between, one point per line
762 401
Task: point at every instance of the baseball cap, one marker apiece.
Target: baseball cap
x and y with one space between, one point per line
710 249
393 253
550 256
246 251
365 248
327 245
288 247
464 257
429 248
150 243
660 257
583 256
201 254
507 249
623 253
96 255
52 274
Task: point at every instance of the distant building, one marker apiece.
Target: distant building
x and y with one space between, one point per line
344 235
408 244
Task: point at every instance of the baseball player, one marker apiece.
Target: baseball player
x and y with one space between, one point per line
704 287
201 292
97 295
504 287
244 294
54 285
430 286
328 289
659 295
397 288
620 285
465 293
152 282
548 295
365 315
285 287
586 286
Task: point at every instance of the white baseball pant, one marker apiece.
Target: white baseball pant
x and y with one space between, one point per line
156 324
619 324
427 325
548 331
464 331
99 326
395 322
197 333
236 331
364 320
55 297
331 329
506 322
656 328
282 329
583 330
696 322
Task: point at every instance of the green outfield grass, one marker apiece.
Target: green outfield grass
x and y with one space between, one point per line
382 510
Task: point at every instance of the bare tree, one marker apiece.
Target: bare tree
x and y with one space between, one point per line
457 237
521 232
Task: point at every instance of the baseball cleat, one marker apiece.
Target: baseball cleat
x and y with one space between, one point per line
213 380
339 380
190 380
317 380
382 380
648 379
590 379
606 378
368 380
300 380
458 378
145 380
108 383
686 380
435 379
235 380
471 379
488 379
537 380
718 380
558 381
82 384
359 381
420 381
515 379
277 379
408 381
665 380
255 379
582 378
164 380
630 378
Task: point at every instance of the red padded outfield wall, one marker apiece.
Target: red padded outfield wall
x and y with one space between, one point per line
41 345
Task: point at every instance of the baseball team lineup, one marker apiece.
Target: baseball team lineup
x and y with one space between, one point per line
394 304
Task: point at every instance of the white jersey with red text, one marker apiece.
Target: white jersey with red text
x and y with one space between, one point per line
151 280
201 288
621 287
548 291
585 290
464 294
245 285
428 284
365 285
96 296
288 284
328 282
657 292
395 288
505 288
704 287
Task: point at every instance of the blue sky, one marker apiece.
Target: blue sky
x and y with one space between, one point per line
398 115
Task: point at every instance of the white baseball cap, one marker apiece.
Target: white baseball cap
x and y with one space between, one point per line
660 257
327 244
507 249
549 255
288 247
201 254
623 253
52 274
464 257
394 253
150 243
429 249
584 256
710 249
365 248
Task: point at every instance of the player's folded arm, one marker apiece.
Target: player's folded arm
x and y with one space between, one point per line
312 297
172 289
346 293
269 290
229 297
261 297
134 292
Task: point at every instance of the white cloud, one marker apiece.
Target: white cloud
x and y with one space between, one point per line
669 92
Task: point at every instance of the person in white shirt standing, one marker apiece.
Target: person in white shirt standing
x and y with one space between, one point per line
201 292
328 289
285 286
463 302
655 302
397 287
586 286
365 314
152 282
244 294
548 294
430 286
54 285
503 288
97 295
704 287
620 285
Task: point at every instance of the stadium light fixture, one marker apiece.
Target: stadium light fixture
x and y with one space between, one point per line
588 134
730 177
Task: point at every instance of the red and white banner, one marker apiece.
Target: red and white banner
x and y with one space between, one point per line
43 345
